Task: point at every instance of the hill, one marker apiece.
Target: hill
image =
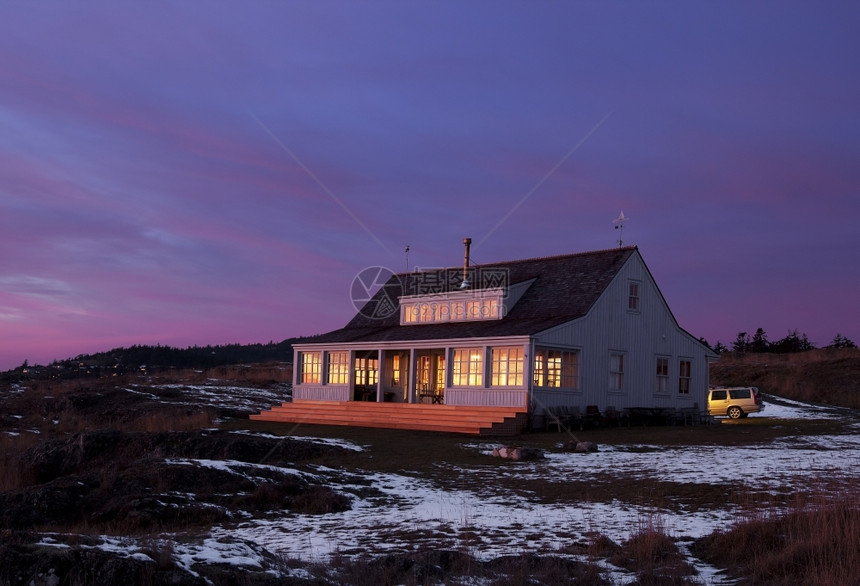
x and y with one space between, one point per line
827 375
153 359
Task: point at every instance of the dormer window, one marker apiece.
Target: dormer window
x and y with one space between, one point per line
454 306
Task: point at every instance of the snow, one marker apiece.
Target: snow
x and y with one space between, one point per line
491 523
413 513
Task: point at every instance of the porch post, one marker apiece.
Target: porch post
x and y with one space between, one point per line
379 371
410 389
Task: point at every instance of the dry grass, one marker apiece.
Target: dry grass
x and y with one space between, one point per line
817 541
827 375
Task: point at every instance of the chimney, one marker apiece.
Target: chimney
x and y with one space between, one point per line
467 242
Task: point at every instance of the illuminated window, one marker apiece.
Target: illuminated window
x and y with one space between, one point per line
456 306
685 376
662 383
633 296
311 367
556 368
395 370
338 368
411 313
616 371
506 367
468 367
366 371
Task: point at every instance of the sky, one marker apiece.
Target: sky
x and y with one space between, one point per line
210 173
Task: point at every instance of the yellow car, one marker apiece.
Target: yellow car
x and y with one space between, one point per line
734 402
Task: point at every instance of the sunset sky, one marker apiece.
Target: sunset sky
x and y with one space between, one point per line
197 173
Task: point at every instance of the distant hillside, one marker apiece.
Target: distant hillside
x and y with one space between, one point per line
827 375
159 358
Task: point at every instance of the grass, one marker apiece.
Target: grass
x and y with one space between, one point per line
818 376
807 536
816 541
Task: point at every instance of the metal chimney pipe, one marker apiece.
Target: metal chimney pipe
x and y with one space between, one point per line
467 242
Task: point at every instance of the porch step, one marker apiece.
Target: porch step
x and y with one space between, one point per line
445 418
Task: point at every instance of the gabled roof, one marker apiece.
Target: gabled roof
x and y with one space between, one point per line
563 288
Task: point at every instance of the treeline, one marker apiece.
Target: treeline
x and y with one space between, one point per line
190 357
793 342
154 358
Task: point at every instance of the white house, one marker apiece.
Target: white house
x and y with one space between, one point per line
584 329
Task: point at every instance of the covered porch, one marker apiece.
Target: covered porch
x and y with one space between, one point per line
433 375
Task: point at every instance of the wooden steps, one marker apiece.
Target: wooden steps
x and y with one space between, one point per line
446 418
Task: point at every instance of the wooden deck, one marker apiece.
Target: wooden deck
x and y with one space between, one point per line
446 418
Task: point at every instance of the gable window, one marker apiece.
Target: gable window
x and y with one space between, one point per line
616 371
468 367
686 370
662 383
556 368
311 367
338 368
633 296
506 367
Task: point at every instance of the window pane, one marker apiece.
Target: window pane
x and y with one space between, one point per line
468 367
507 366
338 368
311 367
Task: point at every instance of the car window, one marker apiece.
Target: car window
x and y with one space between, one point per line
739 393
718 395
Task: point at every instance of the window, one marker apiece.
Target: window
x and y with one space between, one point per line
311 367
633 296
506 367
454 306
662 375
395 370
685 376
556 368
468 367
366 371
338 368
616 371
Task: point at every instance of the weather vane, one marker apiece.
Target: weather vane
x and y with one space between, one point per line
407 257
619 225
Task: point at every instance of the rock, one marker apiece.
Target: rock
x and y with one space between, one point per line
518 453
578 446
583 447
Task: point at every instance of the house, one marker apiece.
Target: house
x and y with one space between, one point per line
577 330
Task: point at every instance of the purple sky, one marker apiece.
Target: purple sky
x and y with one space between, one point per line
209 173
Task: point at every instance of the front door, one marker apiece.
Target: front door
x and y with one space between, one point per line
366 370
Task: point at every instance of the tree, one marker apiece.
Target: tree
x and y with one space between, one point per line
793 342
840 341
759 341
720 348
742 343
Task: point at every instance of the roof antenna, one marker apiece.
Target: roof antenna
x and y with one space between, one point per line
407 258
619 225
467 242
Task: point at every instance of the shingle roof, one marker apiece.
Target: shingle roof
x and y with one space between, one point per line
563 289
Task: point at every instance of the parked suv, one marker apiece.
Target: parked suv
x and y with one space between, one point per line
735 402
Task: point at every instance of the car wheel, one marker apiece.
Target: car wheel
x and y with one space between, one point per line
734 413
